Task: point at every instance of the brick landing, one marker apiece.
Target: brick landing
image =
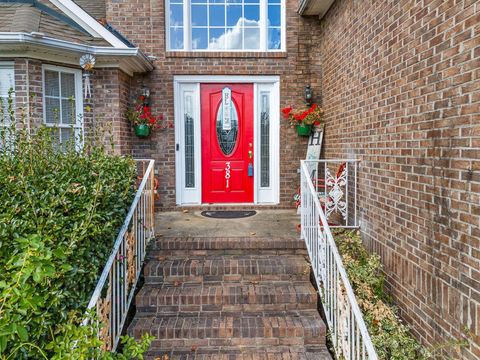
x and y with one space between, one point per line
229 298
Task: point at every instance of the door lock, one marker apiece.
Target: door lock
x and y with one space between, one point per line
250 154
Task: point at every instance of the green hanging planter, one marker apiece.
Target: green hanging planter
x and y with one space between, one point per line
142 130
304 129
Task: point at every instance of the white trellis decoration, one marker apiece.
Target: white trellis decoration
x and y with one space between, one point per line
334 200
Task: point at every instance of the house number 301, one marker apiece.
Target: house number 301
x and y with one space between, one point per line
227 174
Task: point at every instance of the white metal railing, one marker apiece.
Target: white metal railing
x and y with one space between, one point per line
116 287
335 182
349 335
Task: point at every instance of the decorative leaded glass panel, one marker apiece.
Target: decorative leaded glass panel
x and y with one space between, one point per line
189 143
265 140
227 132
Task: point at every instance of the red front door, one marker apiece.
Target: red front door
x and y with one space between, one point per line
227 143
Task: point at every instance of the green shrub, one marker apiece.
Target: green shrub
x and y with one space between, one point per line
391 338
60 211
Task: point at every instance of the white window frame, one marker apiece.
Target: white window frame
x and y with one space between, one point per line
5 122
78 126
187 27
191 83
268 194
10 66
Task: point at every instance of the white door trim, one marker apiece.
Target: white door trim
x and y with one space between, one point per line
191 84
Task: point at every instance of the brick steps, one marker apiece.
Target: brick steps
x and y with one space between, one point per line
195 246
227 268
227 297
288 328
245 353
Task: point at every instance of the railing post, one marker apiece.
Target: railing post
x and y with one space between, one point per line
302 201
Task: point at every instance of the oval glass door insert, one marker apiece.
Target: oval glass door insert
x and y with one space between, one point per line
227 126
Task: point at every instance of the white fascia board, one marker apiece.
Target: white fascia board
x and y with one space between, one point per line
82 18
132 55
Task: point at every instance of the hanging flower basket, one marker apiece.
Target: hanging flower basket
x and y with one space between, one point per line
142 130
304 129
304 120
143 121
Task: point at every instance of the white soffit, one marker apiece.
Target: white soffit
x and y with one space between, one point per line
314 7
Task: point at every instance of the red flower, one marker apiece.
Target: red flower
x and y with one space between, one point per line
286 111
141 98
316 123
152 120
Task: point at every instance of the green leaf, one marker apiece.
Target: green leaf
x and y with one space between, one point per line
22 333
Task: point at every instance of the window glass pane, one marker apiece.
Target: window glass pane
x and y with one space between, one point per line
176 38
217 15
189 143
274 17
227 139
252 13
274 38
234 13
68 111
4 111
51 83
265 140
6 80
176 15
52 110
252 38
225 25
66 136
233 38
68 85
199 38
199 15
217 39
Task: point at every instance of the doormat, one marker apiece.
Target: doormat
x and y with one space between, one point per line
228 214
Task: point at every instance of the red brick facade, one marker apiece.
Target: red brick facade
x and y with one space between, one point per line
143 22
401 90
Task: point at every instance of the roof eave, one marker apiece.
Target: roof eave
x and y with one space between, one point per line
130 60
314 7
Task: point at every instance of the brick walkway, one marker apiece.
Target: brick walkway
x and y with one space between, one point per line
229 298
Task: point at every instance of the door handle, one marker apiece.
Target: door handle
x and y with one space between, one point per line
250 154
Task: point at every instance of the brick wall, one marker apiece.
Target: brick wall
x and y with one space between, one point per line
28 91
142 22
111 96
104 111
401 90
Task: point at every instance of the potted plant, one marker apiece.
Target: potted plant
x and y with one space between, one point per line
303 120
142 119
